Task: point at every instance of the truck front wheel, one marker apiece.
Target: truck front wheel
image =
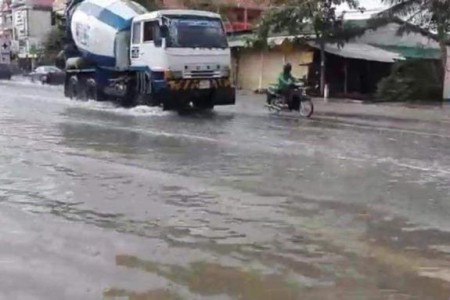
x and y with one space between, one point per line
93 91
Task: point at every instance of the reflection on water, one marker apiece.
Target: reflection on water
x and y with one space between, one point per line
226 205
205 279
375 282
150 295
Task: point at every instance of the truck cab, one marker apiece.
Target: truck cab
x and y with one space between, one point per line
184 54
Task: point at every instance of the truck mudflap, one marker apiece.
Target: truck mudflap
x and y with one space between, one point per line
215 91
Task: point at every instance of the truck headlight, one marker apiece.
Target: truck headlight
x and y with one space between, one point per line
225 71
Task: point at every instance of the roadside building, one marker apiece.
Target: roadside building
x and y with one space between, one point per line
6 32
6 29
31 23
255 68
352 70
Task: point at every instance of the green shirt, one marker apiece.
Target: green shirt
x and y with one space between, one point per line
284 81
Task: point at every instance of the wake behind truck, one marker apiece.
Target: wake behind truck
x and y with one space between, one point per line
116 50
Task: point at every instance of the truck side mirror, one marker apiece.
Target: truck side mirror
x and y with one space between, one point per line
161 36
157 36
164 31
158 42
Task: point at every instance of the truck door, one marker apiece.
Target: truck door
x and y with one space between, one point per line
146 48
136 53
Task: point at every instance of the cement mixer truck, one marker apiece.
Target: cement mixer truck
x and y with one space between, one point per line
115 50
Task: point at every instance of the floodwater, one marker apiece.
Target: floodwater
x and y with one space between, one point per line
99 202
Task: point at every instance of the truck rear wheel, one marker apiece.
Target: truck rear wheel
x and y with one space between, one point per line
77 88
71 87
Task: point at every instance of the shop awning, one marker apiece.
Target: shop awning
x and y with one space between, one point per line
361 51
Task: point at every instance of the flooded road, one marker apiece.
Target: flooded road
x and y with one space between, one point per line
99 202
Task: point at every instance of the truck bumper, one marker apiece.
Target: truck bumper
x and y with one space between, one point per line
216 96
224 96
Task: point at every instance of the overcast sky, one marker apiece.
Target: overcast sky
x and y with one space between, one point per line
372 6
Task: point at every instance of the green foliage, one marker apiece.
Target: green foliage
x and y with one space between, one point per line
215 6
53 42
429 17
313 17
150 4
412 80
221 7
52 45
33 50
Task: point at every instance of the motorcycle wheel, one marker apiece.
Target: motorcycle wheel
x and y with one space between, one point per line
306 108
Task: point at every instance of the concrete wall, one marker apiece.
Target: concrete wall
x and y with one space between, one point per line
259 69
387 36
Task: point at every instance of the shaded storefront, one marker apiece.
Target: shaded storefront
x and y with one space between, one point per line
353 70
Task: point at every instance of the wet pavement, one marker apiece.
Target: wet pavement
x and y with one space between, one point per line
99 202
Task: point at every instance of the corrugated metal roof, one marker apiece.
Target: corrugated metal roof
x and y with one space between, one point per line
362 51
414 52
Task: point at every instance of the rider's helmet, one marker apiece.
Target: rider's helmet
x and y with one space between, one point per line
287 68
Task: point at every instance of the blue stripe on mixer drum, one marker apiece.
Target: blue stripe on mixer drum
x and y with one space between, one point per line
105 16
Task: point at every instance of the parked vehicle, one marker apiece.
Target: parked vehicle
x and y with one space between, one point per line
116 50
5 71
48 75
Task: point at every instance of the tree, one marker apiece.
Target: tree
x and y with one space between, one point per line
52 45
412 80
150 4
214 6
317 18
430 17
209 5
218 6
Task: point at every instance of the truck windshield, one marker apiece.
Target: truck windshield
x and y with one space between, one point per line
195 32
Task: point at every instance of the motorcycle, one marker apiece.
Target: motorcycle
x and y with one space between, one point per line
298 101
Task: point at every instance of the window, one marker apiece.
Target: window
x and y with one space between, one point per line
152 33
196 32
137 33
52 69
149 31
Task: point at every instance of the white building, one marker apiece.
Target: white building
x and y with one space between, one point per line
30 24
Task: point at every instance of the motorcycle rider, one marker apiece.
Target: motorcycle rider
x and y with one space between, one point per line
285 79
284 83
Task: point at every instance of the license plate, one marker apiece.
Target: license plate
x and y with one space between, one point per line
204 84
